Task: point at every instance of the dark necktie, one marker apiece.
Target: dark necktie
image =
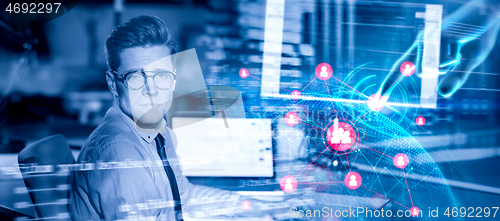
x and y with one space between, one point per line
160 146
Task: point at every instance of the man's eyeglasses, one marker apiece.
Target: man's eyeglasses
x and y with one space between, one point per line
135 80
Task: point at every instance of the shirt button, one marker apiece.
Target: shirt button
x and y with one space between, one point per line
149 137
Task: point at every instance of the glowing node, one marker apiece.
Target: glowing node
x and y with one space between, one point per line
295 94
353 180
407 68
291 118
415 211
400 160
245 205
288 184
420 121
244 73
324 71
341 136
335 163
376 102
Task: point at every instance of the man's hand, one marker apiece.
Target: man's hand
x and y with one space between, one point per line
272 210
466 48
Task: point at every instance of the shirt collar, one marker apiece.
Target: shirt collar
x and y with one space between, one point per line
147 134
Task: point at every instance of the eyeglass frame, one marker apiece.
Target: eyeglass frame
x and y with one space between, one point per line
123 77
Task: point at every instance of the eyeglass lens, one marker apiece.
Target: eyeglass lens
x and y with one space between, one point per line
163 80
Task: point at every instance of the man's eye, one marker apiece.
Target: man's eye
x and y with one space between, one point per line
135 76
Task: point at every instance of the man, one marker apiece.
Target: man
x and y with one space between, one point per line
141 78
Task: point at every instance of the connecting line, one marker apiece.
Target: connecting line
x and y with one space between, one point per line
377 151
349 86
311 162
386 197
360 117
261 80
332 101
323 182
394 67
393 84
348 163
311 125
407 187
290 152
308 84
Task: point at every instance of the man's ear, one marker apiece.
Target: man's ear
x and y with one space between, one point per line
110 79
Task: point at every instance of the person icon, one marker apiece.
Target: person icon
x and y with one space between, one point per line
288 185
335 137
323 72
346 138
291 119
295 94
353 181
415 212
420 121
401 161
341 136
244 73
407 70
245 205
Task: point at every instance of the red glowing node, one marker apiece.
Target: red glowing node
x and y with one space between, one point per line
420 121
341 137
353 180
288 184
415 211
407 68
291 118
245 205
244 73
400 160
376 102
324 71
295 94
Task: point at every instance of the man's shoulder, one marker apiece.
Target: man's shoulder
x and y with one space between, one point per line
113 138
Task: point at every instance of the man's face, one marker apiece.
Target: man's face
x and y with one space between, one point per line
148 104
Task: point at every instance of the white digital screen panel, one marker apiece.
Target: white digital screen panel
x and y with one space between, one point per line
209 148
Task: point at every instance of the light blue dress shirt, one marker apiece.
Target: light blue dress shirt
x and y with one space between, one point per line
129 181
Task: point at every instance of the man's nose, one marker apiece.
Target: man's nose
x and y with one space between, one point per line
150 88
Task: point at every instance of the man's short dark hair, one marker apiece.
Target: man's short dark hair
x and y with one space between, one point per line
141 31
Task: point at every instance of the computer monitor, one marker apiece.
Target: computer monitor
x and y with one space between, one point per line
211 147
